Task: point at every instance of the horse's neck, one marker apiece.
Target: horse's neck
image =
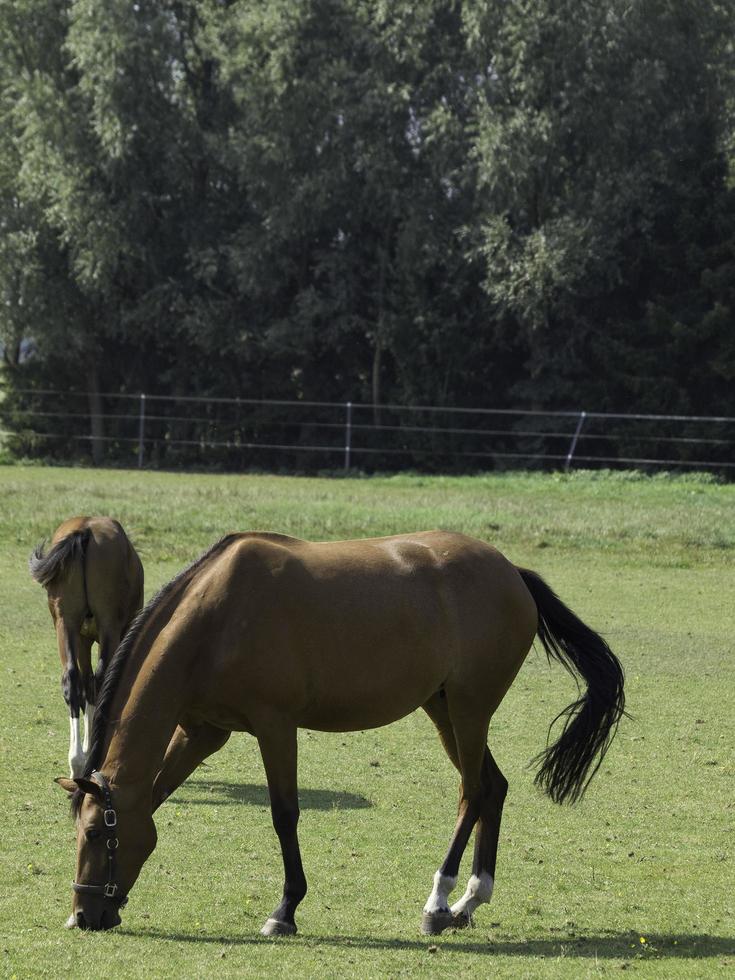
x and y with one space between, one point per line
148 703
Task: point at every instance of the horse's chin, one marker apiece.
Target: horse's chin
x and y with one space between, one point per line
115 921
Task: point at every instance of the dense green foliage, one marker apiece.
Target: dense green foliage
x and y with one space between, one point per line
637 877
468 203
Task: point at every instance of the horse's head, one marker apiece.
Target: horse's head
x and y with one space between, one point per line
115 836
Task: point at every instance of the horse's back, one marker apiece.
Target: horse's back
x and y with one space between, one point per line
420 573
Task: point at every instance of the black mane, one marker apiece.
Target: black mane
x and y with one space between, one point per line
117 663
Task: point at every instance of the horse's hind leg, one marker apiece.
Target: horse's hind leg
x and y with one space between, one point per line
436 708
436 911
108 643
466 751
480 885
75 657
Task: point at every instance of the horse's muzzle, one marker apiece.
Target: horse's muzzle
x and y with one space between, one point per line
107 919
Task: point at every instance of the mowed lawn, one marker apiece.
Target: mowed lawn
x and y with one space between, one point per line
639 876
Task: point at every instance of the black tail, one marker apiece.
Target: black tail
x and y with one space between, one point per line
591 721
72 548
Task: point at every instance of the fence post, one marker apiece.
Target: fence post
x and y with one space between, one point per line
575 437
141 431
348 435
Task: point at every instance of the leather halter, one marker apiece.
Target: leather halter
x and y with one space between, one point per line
111 889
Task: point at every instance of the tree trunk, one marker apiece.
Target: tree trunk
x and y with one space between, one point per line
380 324
377 358
95 418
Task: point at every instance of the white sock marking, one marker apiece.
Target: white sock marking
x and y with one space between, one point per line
438 901
478 891
76 753
88 722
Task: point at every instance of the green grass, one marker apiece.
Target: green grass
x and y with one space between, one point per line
638 877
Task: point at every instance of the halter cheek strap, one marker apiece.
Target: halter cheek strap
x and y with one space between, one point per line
111 889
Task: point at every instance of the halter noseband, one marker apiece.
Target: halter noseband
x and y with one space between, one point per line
111 888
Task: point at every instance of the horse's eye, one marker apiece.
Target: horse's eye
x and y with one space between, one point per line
92 833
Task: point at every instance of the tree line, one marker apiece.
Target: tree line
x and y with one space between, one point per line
448 203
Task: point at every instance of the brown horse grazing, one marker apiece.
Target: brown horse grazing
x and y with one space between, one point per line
267 634
94 581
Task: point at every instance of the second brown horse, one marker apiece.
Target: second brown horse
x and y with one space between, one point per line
94 583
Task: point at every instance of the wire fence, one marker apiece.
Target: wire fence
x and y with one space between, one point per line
241 433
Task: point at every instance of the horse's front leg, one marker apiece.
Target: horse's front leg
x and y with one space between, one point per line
277 741
189 746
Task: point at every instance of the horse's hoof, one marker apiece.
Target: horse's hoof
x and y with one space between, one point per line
275 927
461 920
432 923
71 922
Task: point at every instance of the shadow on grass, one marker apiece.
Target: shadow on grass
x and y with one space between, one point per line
618 945
220 792
608 946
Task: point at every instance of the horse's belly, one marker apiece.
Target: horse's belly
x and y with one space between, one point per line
357 717
370 694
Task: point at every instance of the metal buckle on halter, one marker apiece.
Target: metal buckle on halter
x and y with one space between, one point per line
110 818
110 890
112 843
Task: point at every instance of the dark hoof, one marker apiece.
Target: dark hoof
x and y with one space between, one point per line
461 920
274 927
432 923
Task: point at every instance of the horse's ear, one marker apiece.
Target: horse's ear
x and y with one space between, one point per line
67 784
85 785
90 786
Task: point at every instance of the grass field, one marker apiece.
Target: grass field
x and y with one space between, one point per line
637 877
